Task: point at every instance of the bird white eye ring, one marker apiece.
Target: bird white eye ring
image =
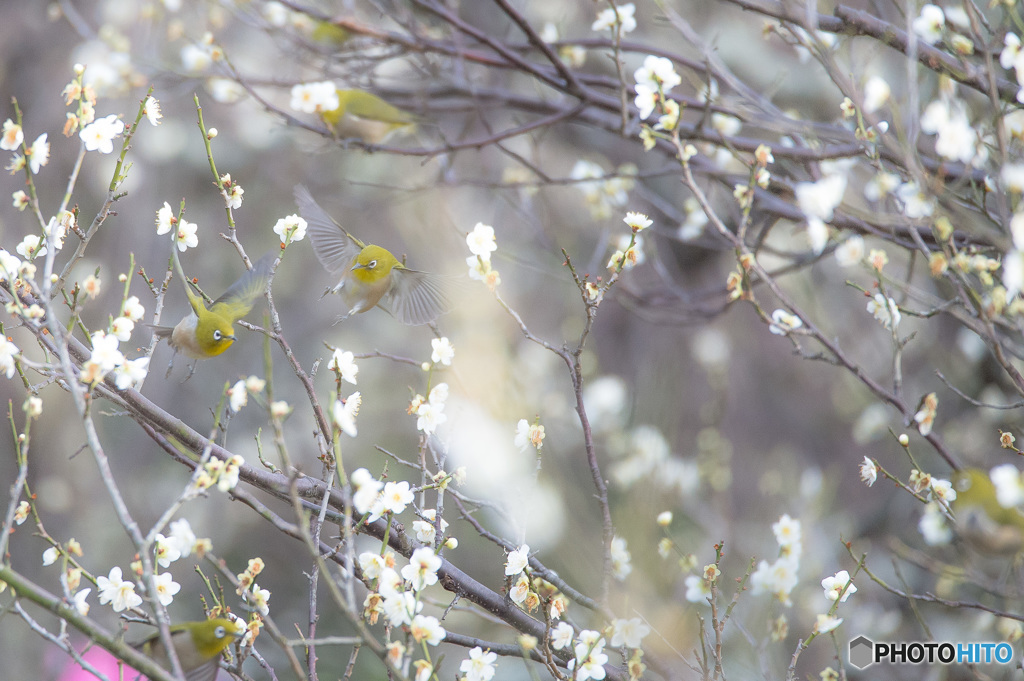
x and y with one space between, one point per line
216 334
372 264
219 632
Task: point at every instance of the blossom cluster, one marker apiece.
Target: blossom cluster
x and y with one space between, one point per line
247 587
106 358
238 394
481 244
603 192
120 593
779 578
397 596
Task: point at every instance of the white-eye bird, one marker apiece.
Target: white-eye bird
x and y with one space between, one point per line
366 116
208 331
198 646
981 521
370 275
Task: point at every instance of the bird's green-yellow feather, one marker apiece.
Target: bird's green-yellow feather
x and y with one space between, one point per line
981 520
370 275
209 331
198 646
371 107
366 116
238 300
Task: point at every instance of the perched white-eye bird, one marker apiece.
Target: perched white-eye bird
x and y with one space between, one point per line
981 520
198 646
366 116
208 331
330 33
370 275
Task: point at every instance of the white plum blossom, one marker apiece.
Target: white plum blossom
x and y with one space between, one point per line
79 604
151 107
885 310
238 396
186 237
400 608
344 363
13 136
783 322
819 199
105 352
99 135
1009 485
787 531
826 623
116 591
8 351
38 154
430 412
562 635
876 94
698 589
367 490
956 139
396 496
851 252
621 558
481 241
629 632
836 584
933 526
372 564
422 568
196 58
479 666
817 234
517 560
529 434
315 97
916 202
9 265
122 328
442 351
131 373
658 71
929 24
621 15
133 310
31 247
166 588
426 531
868 471
290 229
425 628
182 536
778 578
345 412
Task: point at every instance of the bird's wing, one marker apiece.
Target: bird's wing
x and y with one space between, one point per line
371 107
236 302
416 297
205 672
333 245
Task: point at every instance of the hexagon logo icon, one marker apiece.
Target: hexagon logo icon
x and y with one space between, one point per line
862 651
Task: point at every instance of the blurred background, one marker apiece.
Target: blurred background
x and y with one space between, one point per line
695 406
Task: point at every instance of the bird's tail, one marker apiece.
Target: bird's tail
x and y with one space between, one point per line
161 331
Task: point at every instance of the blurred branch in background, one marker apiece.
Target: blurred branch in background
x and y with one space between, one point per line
639 217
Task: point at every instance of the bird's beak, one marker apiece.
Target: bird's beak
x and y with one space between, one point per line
231 337
359 266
